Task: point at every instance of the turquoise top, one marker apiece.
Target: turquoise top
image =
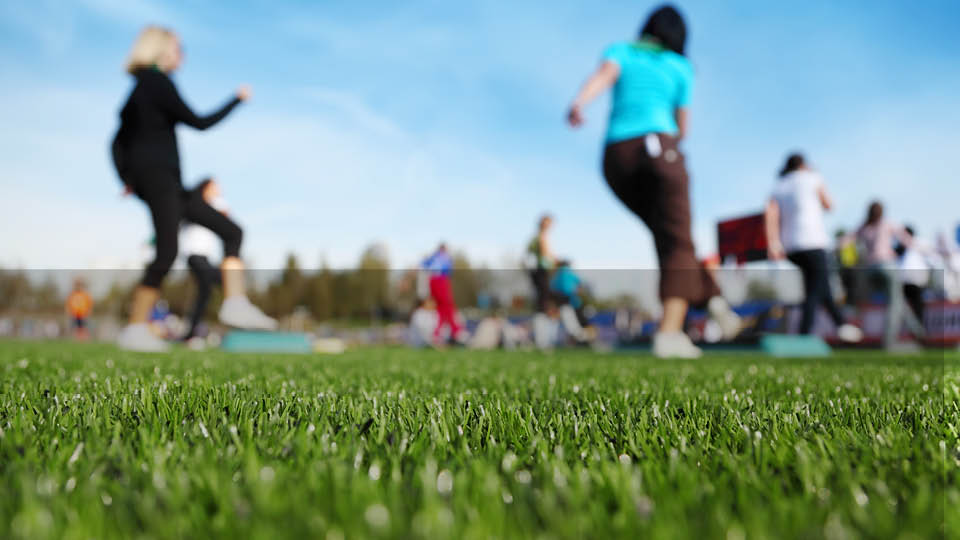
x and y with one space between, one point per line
566 282
653 83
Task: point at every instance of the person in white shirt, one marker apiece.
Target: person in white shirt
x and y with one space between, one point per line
795 230
914 273
201 247
876 237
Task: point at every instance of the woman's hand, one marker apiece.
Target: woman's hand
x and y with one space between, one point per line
244 92
598 83
575 116
127 190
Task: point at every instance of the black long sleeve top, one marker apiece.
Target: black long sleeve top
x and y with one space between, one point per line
146 139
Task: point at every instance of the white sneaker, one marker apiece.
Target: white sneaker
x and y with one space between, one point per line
850 333
138 337
674 345
729 322
238 312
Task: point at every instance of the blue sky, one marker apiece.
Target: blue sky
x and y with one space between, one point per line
405 123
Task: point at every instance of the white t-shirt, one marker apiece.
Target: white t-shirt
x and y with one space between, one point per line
801 212
914 268
198 240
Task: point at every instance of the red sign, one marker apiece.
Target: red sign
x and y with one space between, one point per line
744 238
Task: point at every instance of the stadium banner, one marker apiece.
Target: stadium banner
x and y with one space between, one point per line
941 320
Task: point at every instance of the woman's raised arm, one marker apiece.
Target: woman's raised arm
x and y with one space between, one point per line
599 82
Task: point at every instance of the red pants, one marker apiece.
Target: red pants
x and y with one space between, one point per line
442 294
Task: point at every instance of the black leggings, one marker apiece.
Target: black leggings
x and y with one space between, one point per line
541 288
914 296
206 275
169 205
816 286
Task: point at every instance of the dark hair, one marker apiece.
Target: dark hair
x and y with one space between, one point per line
666 26
901 247
794 162
874 213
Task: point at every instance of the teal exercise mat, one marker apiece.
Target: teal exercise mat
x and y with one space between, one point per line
275 342
794 346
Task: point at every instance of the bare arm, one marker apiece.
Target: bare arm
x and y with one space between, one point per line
599 82
771 220
824 197
682 116
545 251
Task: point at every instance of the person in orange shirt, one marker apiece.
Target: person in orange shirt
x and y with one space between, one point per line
79 307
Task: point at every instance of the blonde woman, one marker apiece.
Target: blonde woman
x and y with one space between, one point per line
147 159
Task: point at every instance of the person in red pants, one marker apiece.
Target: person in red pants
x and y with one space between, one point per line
439 266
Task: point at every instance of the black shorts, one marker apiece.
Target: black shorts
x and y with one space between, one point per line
79 323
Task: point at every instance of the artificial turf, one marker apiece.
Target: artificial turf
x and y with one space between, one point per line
99 443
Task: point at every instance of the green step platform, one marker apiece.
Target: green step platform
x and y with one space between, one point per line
794 346
267 342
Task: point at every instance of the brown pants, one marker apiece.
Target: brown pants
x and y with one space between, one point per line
648 175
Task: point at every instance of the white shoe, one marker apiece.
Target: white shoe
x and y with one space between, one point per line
674 345
238 312
849 333
729 322
138 337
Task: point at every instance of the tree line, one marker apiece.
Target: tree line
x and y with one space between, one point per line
371 291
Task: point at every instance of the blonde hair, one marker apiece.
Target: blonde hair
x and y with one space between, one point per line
155 46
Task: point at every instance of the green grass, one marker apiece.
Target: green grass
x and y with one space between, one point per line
97 443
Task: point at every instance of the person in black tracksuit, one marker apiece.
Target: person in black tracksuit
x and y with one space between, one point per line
147 160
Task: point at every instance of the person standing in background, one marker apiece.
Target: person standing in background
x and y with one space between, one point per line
796 231
439 267
652 83
541 263
914 272
847 258
79 307
147 159
949 252
877 235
